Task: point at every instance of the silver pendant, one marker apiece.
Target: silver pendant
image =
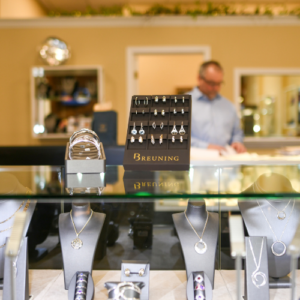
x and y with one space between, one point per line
255 276
281 215
200 247
283 251
76 243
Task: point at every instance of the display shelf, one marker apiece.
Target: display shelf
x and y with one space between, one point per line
55 111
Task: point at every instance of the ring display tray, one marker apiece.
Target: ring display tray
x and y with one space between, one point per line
159 133
85 165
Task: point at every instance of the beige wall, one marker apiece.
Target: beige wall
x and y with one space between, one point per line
164 74
248 46
20 9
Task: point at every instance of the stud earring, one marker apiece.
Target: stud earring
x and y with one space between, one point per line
175 99
182 111
132 139
134 131
156 99
141 272
182 99
152 139
155 112
182 131
142 131
181 139
141 140
164 99
163 112
153 125
174 130
127 272
173 138
174 111
161 139
162 125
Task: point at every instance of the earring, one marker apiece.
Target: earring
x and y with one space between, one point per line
153 125
132 139
161 139
142 131
173 138
182 99
143 112
146 102
175 99
182 131
141 139
163 112
162 125
134 131
152 139
174 130
127 272
136 112
164 99
135 102
141 272
182 111
174 111
139 102
156 99
155 112
181 139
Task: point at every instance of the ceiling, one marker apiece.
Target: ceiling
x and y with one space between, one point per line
72 5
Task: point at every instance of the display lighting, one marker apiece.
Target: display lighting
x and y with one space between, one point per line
256 128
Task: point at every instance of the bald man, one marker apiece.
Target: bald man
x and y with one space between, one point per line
215 123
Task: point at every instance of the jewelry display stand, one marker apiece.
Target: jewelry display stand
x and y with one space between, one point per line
124 290
22 283
159 133
79 259
88 291
197 215
137 271
10 185
85 165
258 224
206 286
256 269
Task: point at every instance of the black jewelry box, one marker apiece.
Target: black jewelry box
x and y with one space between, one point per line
156 150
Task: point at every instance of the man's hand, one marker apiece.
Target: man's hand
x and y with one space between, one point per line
238 147
215 147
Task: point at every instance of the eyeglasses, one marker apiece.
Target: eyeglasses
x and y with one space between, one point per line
212 83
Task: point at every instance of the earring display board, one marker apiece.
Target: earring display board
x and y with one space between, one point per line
159 133
256 269
137 271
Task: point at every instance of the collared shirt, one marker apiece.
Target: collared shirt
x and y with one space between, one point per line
213 121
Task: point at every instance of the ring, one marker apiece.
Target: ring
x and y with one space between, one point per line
198 278
80 280
80 292
141 272
81 285
80 297
82 274
127 272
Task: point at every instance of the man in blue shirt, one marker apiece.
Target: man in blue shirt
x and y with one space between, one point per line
215 123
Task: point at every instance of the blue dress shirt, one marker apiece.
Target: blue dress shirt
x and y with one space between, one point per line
213 121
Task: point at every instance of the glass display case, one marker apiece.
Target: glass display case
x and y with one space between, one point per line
62 99
174 222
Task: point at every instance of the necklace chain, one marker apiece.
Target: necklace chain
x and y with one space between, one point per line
260 255
13 214
200 238
270 224
77 233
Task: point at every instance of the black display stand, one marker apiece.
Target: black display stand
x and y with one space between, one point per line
168 155
196 212
22 283
135 266
256 224
191 283
89 290
83 258
251 291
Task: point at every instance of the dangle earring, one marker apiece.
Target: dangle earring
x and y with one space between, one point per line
162 125
156 99
134 131
182 131
174 111
164 99
155 112
153 125
132 139
141 139
142 131
175 99
152 139
173 138
161 139
163 112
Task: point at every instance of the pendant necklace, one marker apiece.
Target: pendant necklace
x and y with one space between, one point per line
256 274
278 240
77 243
200 247
281 215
